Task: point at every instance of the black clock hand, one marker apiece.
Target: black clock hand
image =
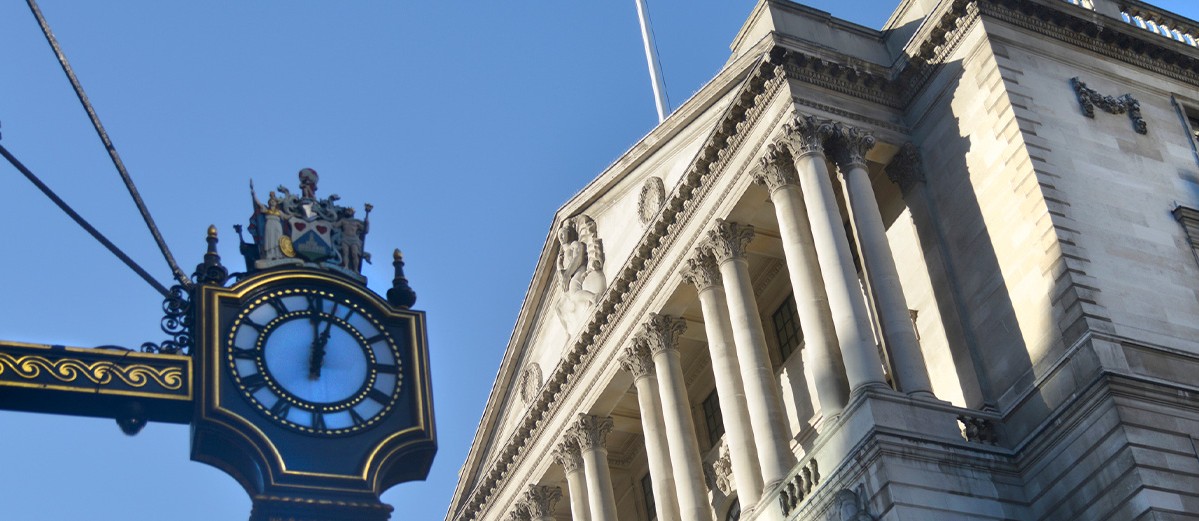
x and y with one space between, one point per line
317 358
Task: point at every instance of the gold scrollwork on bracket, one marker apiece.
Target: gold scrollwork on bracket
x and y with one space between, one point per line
100 372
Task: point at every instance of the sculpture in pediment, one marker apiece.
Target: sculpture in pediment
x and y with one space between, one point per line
579 268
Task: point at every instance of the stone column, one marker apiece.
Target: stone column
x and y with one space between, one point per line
637 360
660 336
591 433
766 414
704 274
805 137
777 171
538 504
570 457
907 362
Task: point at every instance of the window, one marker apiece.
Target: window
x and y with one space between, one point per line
734 513
786 328
647 490
713 420
1193 120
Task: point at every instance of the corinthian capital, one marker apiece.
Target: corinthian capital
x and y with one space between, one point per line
539 501
636 359
568 454
775 168
591 431
852 144
661 332
904 169
702 270
728 239
807 135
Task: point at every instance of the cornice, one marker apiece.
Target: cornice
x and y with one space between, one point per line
760 86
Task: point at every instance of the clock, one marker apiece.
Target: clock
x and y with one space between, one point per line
314 360
311 387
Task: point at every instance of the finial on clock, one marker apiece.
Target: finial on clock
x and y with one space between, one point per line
400 295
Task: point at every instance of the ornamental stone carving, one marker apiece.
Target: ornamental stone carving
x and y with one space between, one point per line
727 240
851 505
653 192
590 432
851 145
1089 98
529 383
568 454
905 168
661 332
807 135
775 168
636 359
702 270
580 269
722 468
539 501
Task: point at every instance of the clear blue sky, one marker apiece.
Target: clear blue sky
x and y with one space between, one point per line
466 124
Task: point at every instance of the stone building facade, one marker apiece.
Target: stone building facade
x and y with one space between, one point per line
945 270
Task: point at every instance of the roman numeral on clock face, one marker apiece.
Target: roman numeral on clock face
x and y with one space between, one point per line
254 382
318 421
379 396
280 408
245 354
356 418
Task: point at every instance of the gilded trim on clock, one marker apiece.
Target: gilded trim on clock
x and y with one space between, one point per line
99 372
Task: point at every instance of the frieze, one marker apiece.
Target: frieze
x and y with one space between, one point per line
762 85
1117 40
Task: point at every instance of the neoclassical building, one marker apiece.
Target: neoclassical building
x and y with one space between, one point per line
944 270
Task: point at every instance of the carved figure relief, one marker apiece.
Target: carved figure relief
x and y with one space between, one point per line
529 383
653 192
580 269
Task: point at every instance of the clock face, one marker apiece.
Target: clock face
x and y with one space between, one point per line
314 361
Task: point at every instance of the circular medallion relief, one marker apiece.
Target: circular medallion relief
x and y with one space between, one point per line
529 383
653 192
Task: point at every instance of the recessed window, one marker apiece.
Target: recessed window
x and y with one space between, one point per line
786 328
734 513
713 420
647 490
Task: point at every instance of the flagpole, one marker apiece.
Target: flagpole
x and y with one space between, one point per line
651 56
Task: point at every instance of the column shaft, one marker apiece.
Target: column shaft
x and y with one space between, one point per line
660 333
863 367
577 485
766 413
747 473
907 361
570 457
657 450
815 316
599 484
